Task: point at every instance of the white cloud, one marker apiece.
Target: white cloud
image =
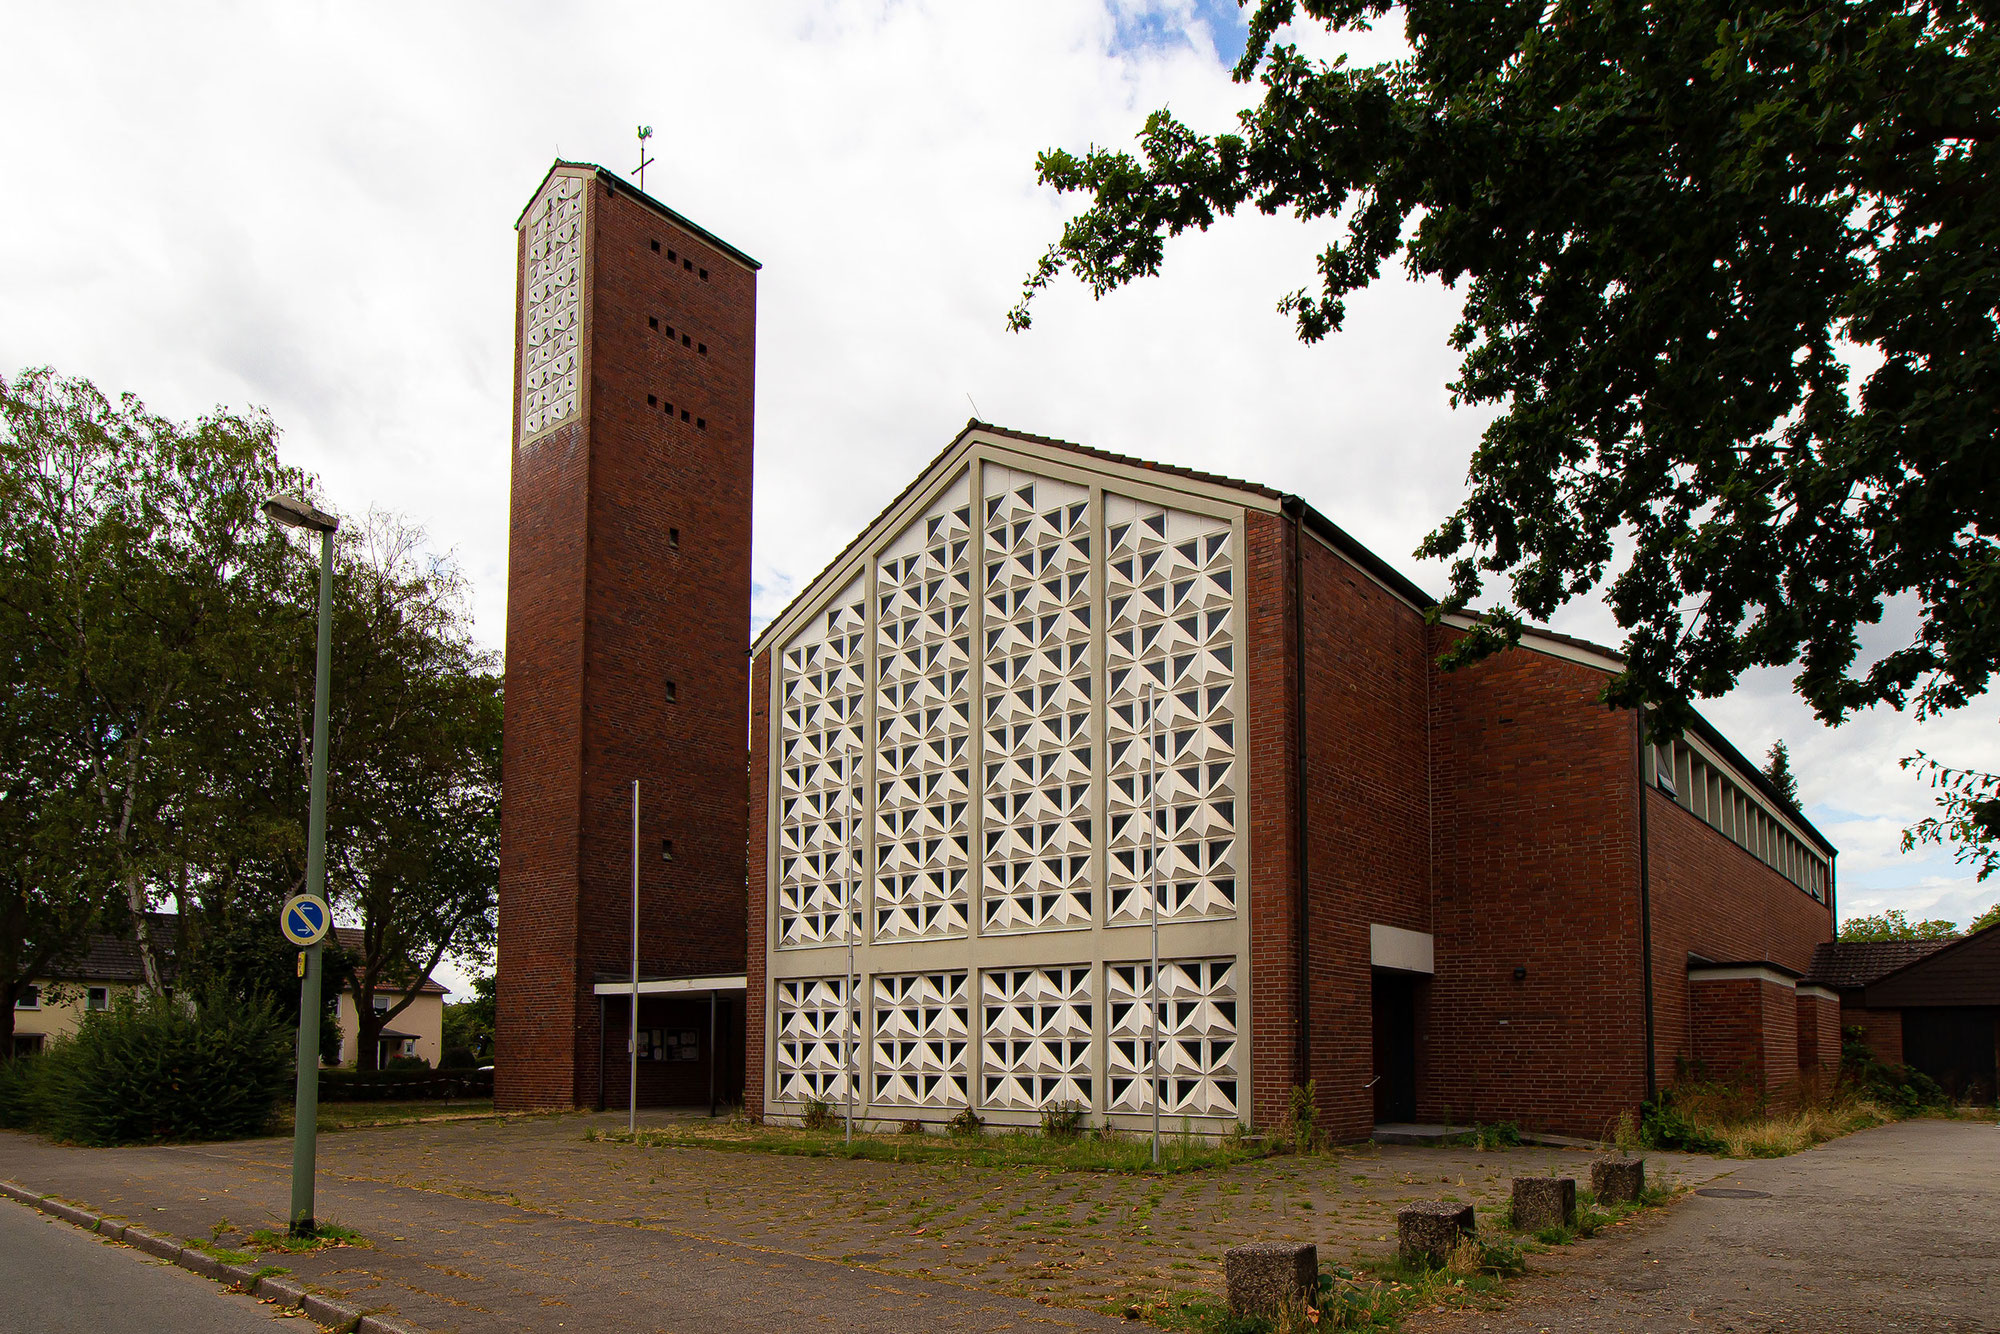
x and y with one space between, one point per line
311 208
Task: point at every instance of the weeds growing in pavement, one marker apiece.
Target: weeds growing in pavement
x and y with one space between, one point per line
817 1114
326 1236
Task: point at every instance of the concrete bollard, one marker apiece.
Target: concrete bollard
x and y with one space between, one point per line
1541 1202
1429 1230
1617 1180
1265 1276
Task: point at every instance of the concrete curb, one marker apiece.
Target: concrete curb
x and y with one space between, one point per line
270 1287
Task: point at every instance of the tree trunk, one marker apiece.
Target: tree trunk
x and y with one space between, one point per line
142 930
6 1023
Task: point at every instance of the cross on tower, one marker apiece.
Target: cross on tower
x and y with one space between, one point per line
645 133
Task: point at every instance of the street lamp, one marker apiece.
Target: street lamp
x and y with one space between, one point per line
296 513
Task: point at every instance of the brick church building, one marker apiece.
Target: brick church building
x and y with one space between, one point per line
1052 714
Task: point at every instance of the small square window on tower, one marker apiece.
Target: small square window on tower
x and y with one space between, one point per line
686 341
688 264
652 321
702 348
671 257
656 247
704 275
652 400
684 414
700 424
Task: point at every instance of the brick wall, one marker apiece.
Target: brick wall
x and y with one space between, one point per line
1882 1030
1368 818
1745 1028
1273 899
759 881
650 610
1819 1034
1714 900
1537 868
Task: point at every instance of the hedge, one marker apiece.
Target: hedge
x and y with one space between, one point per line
342 1085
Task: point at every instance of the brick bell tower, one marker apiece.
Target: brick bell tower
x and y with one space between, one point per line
628 617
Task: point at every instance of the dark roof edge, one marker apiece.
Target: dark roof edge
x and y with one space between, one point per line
1939 952
679 220
1349 546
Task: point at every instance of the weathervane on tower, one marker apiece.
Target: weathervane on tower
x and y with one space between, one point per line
645 133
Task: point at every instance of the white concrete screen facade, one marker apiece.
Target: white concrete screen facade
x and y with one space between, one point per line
960 776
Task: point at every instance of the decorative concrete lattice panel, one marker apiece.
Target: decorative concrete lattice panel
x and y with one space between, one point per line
1036 708
1171 644
1197 1027
822 737
815 1030
552 307
1036 1045
922 1037
923 715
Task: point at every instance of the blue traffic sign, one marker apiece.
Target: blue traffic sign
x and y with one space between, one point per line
305 920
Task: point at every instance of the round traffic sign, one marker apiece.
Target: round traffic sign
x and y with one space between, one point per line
305 920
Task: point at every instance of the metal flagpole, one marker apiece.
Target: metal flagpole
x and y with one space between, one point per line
632 1043
1153 876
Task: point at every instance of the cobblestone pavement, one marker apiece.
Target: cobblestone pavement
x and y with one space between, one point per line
523 1224
1888 1229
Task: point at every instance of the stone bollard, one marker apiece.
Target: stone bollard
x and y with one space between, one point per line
1617 1180
1265 1276
1541 1202
1429 1230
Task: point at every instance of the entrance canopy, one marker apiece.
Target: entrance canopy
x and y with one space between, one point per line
724 984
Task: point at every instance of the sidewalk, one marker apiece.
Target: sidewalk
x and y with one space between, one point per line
451 1264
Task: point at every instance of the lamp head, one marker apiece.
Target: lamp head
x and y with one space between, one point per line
296 513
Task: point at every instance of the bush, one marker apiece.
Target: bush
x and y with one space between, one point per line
155 1069
1897 1087
458 1058
418 1085
966 1125
1064 1120
21 1092
1663 1125
817 1114
407 1063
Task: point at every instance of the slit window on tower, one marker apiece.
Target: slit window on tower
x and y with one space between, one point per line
673 694
674 539
666 849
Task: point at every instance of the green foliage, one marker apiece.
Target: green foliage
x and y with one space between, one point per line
1302 1114
1778 768
1893 925
1675 230
1665 1125
1968 818
345 1084
21 1085
968 1124
325 1236
1989 918
1010 1148
469 1024
1499 1135
152 1070
816 1114
1899 1088
1064 1120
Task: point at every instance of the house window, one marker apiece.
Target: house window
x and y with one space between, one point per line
97 998
27 1044
28 998
381 1004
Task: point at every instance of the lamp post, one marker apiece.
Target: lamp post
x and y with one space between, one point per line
296 513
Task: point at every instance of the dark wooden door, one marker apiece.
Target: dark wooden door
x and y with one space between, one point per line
1395 1047
1953 1046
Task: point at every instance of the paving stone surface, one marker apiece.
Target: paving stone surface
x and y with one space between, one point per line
523 1224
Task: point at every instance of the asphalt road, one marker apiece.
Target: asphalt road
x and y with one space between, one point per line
58 1279
1892 1229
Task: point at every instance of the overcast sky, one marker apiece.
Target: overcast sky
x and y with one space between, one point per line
310 208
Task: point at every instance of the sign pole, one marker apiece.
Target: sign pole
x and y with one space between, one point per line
1153 892
305 1106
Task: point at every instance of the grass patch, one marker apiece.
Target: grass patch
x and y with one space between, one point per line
1082 1153
215 1251
356 1115
326 1237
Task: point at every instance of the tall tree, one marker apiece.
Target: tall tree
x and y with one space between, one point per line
1676 228
413 846
151 531
1778 768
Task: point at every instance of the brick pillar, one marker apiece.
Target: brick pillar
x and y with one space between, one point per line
1744 1022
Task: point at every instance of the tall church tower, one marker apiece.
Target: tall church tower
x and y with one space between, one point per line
628 616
